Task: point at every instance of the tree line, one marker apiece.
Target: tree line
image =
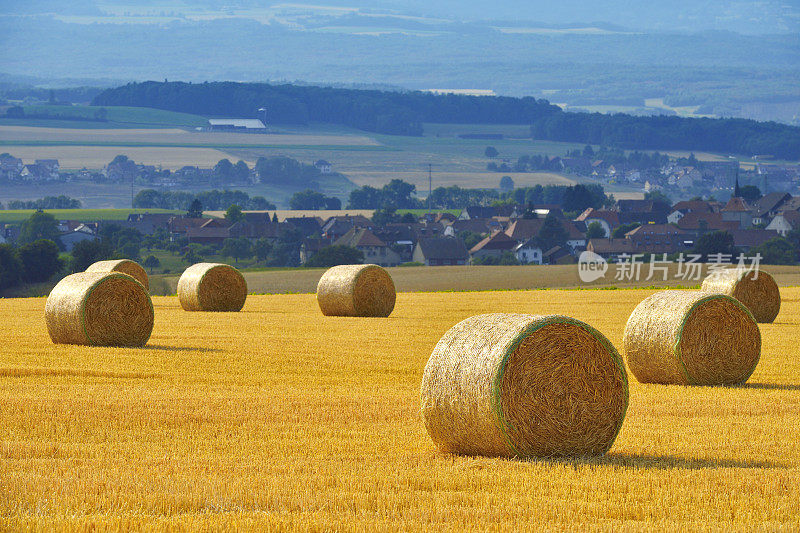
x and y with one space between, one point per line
213 200
48 202
398 113
729 135
398 194
402 113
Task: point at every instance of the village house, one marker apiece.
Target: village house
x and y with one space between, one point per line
495 244
608 220
691 206
737 210
337 226
746 239
768 206
441 251
375 250
641 211
81 233
784 222
477 211
323 166
528 252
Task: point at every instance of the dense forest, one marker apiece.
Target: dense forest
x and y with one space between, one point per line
731 135
398 113
403 113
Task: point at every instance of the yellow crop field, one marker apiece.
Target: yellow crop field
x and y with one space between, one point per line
278 417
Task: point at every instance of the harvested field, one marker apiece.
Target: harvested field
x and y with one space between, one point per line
176 136
477 278
245 420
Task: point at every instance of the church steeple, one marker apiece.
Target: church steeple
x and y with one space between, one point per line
737 193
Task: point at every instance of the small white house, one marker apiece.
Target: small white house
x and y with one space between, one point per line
528 253
323 166
81 233
785 222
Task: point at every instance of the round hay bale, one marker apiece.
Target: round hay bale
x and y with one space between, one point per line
356 290
126 266
691 338
514 385
756 289
212 287
99 309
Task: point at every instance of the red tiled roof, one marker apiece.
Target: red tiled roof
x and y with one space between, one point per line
736 204
495 241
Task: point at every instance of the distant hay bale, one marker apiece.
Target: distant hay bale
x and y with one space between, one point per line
691 338
514 385
126 266
99 309
212 287
356 290
756 289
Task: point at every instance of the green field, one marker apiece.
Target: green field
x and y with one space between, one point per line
117 115
10 216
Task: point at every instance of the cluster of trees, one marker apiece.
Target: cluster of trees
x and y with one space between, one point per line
635 159
574 198
282 170
310 199
213 200
397 194
48 202
731 135
398 113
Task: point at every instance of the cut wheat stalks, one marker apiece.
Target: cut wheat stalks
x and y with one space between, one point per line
126 266
356 290
99 309
692 338
756 289
514 385
212 287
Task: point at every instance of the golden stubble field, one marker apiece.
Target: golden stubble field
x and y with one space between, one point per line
279 417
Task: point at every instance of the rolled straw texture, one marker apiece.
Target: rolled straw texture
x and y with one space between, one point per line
126 266
356 290
514 385
99 309
691 338
212 287
756 289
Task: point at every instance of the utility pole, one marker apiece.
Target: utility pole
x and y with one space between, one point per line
430 186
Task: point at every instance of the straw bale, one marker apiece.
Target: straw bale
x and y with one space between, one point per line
99 309
691 338
212 287
126 266
356 290
756 289
515 385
